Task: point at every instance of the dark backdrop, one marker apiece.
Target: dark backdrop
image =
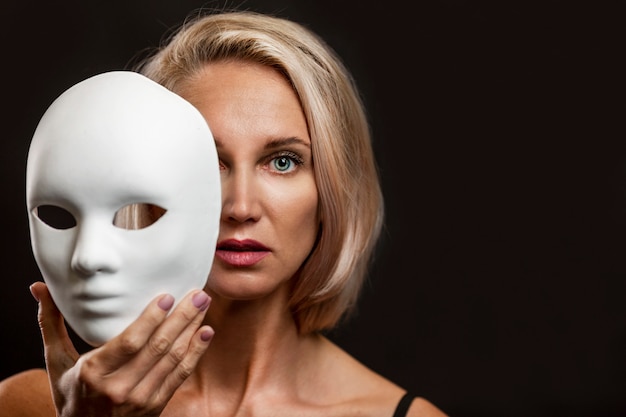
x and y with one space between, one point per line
500 283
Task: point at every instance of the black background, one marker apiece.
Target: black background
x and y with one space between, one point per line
499 288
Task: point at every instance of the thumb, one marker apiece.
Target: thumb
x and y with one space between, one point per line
59 350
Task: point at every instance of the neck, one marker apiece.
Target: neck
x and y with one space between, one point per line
252 337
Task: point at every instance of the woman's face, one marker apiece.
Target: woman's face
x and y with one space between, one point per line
111 141
269 220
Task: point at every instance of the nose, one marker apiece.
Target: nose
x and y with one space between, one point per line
240 192
94 250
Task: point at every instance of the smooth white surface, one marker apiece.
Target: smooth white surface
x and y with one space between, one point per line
115 139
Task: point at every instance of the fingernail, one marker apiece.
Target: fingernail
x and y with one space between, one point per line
35 296
201 300
166 302
206 335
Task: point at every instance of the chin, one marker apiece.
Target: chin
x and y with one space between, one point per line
245 288
94 338
98 332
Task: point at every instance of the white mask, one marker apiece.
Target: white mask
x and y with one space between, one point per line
113 140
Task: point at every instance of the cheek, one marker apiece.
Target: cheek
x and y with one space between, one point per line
52 250
298 211
175 252
309 220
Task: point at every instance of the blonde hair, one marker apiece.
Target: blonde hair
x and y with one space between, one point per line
351 204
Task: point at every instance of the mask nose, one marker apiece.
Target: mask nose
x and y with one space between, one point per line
94 249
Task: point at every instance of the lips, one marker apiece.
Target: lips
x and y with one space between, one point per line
91 305
93 296
241 253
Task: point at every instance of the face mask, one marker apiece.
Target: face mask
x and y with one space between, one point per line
114 141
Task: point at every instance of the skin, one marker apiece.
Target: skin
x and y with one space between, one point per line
253 367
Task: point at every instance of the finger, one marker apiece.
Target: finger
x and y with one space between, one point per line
199 344
172 337
124 347
172 370
165 348
180 346
59 351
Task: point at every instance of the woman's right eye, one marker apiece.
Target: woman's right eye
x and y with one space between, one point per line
55 216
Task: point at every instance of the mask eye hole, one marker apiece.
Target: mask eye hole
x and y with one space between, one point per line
55 216
138 216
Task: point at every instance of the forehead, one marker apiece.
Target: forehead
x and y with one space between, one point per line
115 131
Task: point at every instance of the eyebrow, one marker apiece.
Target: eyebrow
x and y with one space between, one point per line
278 142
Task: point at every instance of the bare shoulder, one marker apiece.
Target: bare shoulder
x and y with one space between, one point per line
26 394
372 391
421 407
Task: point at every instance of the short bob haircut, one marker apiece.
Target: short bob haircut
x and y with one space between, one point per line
350 197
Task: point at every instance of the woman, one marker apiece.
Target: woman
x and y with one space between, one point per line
301 212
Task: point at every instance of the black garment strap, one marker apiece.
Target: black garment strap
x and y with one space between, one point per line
403 405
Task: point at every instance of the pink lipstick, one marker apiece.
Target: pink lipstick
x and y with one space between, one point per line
241 253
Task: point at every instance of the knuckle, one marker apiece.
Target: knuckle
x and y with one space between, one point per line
153 405
129 345
87 371
118 395
184 370
196 350
177 353
135 403
159 345
115 391
41 321
189 315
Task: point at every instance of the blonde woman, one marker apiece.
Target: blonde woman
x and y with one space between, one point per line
301 213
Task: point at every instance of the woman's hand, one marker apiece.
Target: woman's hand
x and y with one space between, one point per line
135 373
